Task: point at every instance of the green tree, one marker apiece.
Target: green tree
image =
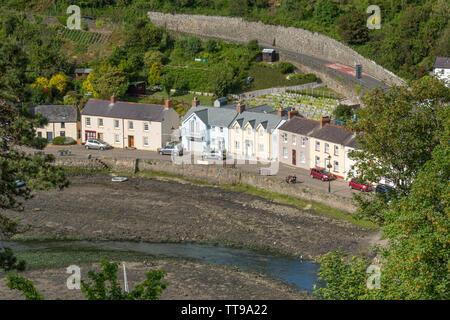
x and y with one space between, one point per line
352 27
15 282
9 262
343 112
168 82
211 45
109 80
152 57
325 11
155 74
221 79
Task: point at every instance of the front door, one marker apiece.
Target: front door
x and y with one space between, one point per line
131 141
294 157
49 136
248 147
100 136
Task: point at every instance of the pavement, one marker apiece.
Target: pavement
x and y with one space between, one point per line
338 187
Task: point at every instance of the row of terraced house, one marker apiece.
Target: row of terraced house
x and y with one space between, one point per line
257 133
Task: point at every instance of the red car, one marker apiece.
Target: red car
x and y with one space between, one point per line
321 174
361 186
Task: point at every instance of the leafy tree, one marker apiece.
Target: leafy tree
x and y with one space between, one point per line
108 80
221 79
143 36
326 11
352 27
152 57
252 45
104 285
168 82
9 262
211 45
155 74
343 112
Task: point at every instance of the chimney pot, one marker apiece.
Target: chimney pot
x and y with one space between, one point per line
324 120
292 114
113 98
280 112
240 107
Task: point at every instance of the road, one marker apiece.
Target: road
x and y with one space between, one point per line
338 187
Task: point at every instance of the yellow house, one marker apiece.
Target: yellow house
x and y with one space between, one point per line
129 125
254 135
328 145
62 121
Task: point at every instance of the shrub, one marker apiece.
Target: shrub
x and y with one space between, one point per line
308 77
285 67
63 141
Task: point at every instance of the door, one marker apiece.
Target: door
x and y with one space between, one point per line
100 136
49 136
131 141
248 147
294 157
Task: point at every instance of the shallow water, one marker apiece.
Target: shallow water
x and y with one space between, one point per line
301 274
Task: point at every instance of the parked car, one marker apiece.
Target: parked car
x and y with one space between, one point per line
382 188
19 183
213 154
359 185
170 149
321 174
96 144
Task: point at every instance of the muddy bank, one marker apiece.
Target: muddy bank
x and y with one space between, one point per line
152 210
187 280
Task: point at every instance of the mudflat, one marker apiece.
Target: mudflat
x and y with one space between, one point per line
158 210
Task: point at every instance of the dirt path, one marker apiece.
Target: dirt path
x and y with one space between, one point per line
95 208
187 280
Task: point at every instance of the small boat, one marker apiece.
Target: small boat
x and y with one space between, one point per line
119 179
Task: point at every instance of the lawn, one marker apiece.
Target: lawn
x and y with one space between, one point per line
269 77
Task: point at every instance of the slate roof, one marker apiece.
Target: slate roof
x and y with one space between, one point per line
268 120
442 63
335 134
300 126
58 113
213 116
124 110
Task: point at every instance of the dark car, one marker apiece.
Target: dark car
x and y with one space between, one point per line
171 149
382 188
359 185
321 174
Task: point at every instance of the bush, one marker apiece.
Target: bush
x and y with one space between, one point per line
308 77
285 67
63 141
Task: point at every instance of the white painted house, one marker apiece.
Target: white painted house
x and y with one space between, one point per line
205 128
442 68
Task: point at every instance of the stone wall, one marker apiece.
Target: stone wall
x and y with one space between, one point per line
213 174
290 39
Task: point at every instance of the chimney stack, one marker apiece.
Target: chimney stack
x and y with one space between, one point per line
240 107
195 102
292 113
324 120
280 112
168 103
113 98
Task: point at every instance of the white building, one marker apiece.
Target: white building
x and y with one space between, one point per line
442 68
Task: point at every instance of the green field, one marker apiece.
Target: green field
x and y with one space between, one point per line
84 37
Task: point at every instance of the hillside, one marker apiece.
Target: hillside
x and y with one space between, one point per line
412 33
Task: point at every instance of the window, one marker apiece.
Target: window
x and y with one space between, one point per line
145 141
303 142
317 146
317 161
100 122
336 166
88 122
62 133
261 147
116 138
249 131
213 142
303 157
261 132
294 139
221 129
213 129
236 145
39 134
238 131
285 136
327 148
130 125
285 153
145 126
63 125
116 124
336 150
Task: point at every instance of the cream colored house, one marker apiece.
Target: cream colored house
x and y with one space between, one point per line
328 145
62 121
129 125
254 135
